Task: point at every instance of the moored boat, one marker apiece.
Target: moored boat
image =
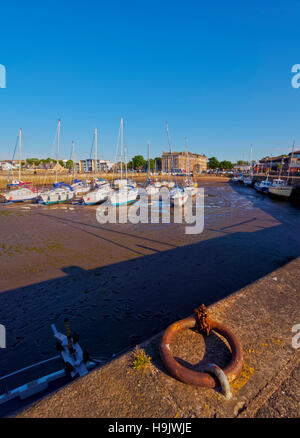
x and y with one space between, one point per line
25 192
98 195
263 186
60 193
125 195
178 196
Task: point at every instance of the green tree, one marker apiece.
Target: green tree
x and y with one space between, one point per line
226 165
138 162
213 163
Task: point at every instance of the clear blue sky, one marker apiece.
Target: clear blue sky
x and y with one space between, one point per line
219 73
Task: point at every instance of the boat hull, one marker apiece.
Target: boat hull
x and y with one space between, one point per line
281 192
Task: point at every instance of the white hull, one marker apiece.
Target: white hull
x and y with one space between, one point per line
80 189
98 195
191 190
178 197
124 196
57 196
152 190
283 192
20 195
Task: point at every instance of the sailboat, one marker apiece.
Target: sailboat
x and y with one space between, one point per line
102 187
282 189
151 189
61 192
178 196
79 187
190 187
26 190
126 193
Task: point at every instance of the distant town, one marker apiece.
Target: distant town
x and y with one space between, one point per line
176 162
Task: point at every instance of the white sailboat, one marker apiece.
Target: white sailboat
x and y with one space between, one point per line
61 192
178 196
26 190
190 187
102 187
151 189
125 194
79 187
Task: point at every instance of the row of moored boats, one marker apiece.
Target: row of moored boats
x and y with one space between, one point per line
276 187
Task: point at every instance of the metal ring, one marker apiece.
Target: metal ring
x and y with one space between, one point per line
198 378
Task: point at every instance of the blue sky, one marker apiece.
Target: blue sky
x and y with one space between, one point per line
218 72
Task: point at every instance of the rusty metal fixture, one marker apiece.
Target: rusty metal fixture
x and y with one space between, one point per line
191 377
202 321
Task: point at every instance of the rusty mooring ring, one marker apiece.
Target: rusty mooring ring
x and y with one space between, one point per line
198 378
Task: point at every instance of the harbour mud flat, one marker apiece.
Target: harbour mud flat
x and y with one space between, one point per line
121 284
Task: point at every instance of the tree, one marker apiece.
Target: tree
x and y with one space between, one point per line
242 163
213 163
226 165
138 162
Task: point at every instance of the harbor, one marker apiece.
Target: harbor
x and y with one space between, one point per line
149 215
58 262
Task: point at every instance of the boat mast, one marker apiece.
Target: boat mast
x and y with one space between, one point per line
169 142
57 152
188 159
148 161
73 156
121 147
125 159
20 140
96 147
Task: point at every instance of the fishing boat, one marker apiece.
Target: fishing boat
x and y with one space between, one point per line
190 187
151 189
280 188
263 186
284 191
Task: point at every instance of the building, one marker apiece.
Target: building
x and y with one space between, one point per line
241 168
294 160
88 165
181 161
